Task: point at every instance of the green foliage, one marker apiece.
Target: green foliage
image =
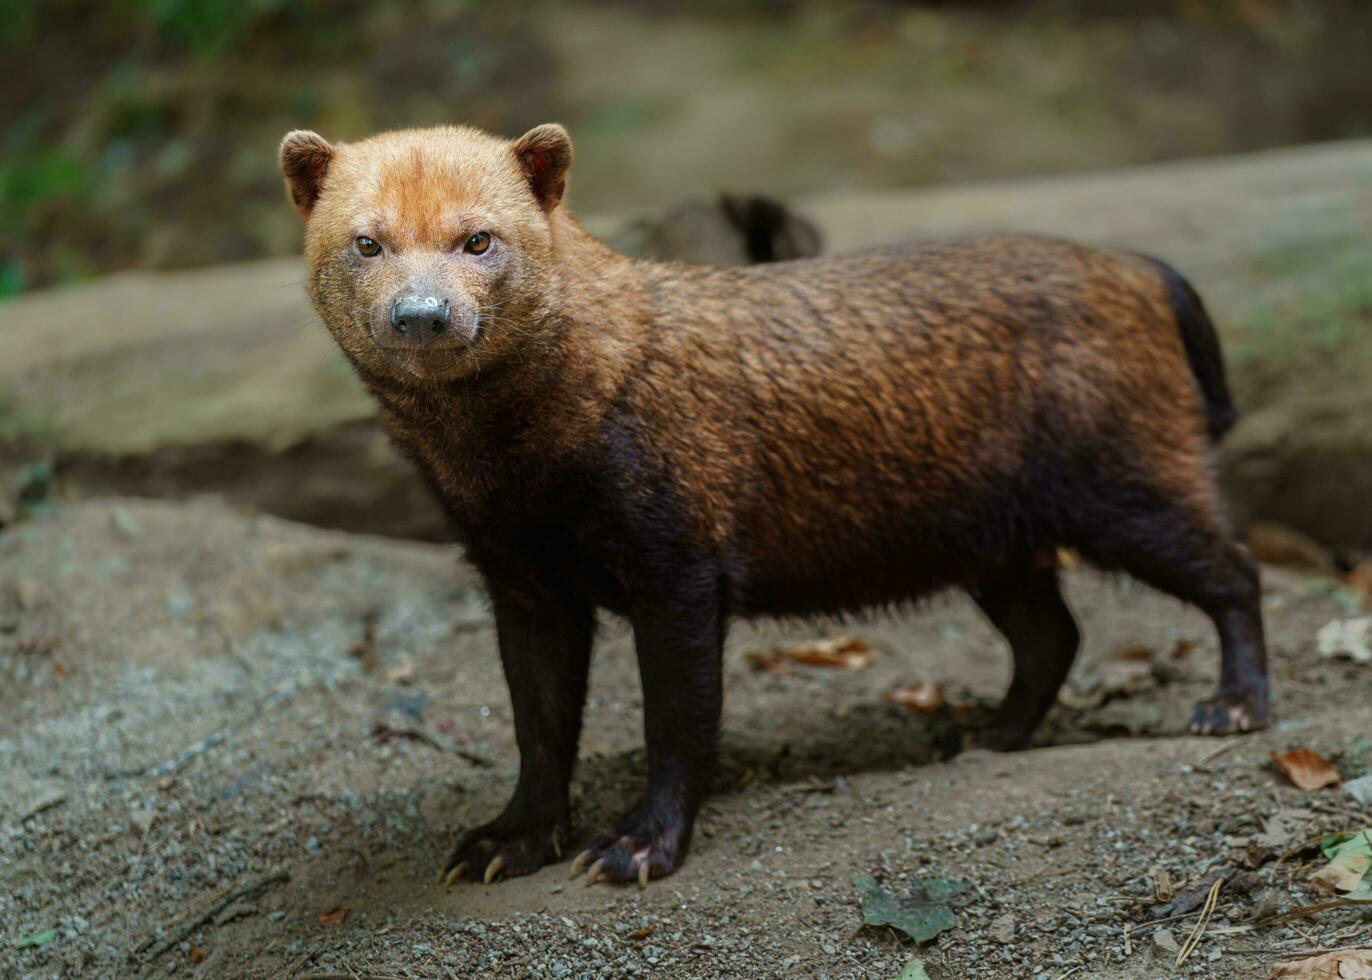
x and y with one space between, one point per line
37 177
922 914
204 26
37 939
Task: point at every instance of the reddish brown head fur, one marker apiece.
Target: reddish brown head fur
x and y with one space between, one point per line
421 196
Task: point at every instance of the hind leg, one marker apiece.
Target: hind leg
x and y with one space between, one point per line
1190 556
1027 607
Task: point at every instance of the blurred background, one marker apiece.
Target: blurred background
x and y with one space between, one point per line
138 138
142 133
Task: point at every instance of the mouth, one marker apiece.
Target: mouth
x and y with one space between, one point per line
432 363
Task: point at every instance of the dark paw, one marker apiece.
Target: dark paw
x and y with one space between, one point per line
1227 714
488 853
642 851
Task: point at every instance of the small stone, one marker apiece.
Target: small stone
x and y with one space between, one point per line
1165 941
142 819
986 837
1002 929
312 843
1360 789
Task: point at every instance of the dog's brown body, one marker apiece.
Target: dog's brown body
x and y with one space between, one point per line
681 445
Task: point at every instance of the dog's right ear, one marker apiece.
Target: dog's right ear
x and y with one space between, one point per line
545 155
304 158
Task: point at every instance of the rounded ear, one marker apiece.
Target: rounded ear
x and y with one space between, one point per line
304 158
545 154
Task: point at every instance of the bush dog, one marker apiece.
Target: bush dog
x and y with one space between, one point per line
682 445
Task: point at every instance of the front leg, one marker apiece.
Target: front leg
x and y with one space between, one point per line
545 648
679 640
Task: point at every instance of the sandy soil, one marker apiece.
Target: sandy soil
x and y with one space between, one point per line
190 701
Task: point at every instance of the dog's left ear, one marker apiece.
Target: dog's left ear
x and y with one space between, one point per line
545 155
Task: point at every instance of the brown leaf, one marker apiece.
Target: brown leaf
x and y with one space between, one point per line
1135 652
1348 964
921 696
773 660
1276 544
844 652
198 954
1307 769
334 916
1359 581
645 932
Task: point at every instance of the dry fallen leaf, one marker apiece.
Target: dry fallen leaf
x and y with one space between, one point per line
1136 652
1348 638
845 652
334 916
198 954
1348 964
1358 580
1307 769
645 932
921 696
1276 544
1350 862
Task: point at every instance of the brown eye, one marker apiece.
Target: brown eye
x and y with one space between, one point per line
369 247
478 243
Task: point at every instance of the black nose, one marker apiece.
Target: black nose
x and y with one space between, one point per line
420 318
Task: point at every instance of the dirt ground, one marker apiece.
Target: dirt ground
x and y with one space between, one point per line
195 697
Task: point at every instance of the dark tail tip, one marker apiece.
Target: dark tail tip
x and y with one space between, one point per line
1202 345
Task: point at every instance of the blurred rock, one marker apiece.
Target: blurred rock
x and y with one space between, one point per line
734 230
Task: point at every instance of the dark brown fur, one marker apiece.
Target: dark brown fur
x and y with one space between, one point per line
682 445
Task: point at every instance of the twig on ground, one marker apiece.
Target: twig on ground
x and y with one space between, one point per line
1169 918
1207 910
1305 910
1217 751
210 911
1295 954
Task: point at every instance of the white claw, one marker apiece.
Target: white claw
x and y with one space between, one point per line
581 860
493 869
